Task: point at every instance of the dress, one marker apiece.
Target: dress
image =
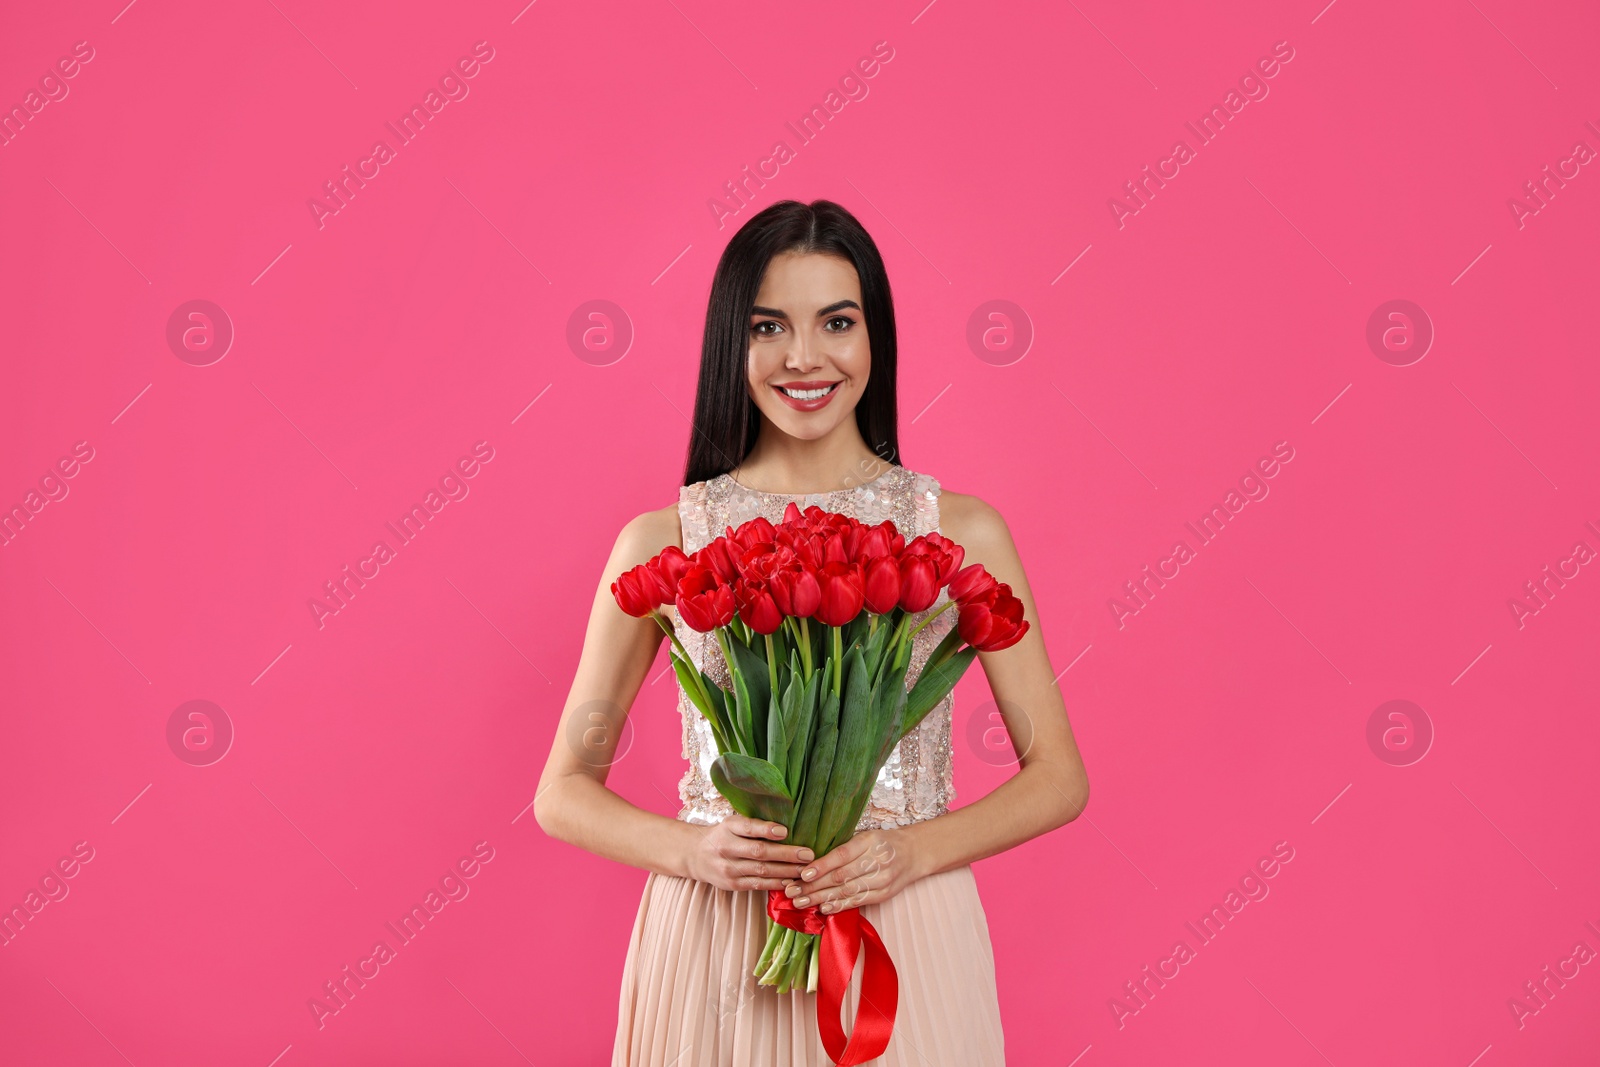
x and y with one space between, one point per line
688 997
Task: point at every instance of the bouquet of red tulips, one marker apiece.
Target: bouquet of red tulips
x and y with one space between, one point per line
815 619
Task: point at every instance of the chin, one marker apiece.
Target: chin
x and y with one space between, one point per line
804 429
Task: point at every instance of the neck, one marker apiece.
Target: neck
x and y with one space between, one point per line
780 463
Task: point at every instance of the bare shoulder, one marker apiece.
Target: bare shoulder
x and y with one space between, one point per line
974 524
648 533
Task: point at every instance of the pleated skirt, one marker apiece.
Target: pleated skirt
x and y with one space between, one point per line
689 998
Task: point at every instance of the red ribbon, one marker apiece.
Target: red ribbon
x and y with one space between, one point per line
843 933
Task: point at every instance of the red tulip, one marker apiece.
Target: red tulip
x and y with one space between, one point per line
863 543
993 622
795 589
719 558
760 560
670 563
641 590
702 601
842 593
919 582
881 585
949 554
756 606
971 583
833 550
753 532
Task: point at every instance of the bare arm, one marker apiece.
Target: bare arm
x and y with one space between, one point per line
1051 787
573 804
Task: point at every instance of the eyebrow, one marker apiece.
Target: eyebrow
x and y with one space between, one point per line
829 310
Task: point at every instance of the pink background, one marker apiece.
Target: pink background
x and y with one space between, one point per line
374 751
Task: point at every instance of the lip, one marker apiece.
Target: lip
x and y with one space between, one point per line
808 405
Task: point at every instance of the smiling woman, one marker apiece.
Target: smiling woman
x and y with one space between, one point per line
796 406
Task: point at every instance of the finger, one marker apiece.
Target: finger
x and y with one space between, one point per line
748 881
856 892
822 872
836 882
751 848
745 826
780 873
826 886
833 860
850 894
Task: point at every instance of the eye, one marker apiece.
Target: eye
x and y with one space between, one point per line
847 320
759 332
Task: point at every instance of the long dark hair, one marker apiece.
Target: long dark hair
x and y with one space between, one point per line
726 419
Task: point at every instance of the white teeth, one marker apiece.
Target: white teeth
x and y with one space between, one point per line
807 394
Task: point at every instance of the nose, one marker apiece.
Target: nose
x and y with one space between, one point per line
803 354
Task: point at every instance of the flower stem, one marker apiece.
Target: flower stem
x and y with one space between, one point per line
838 657
694 671
943 608
772 666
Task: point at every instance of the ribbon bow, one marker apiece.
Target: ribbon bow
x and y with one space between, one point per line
842 935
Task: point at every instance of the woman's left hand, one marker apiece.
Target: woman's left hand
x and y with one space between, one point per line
869 868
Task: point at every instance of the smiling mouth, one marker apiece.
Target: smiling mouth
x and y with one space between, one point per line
808 394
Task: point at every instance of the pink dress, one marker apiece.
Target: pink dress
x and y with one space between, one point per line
688 996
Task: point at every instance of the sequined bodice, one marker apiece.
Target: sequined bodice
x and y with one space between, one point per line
915 783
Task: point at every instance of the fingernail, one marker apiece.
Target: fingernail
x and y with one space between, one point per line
809 872
802 901
777 831
826 908
806 854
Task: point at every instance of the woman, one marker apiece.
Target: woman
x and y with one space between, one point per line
796 402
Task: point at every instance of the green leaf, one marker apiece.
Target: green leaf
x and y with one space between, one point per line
933 686
743 718
805 727
777 740
750 667
793 694
877 642
856 746
692 681
819 764
889 701
753 786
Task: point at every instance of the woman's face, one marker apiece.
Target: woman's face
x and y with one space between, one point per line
808 355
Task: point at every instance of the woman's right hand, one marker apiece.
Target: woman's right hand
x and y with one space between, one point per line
741 853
